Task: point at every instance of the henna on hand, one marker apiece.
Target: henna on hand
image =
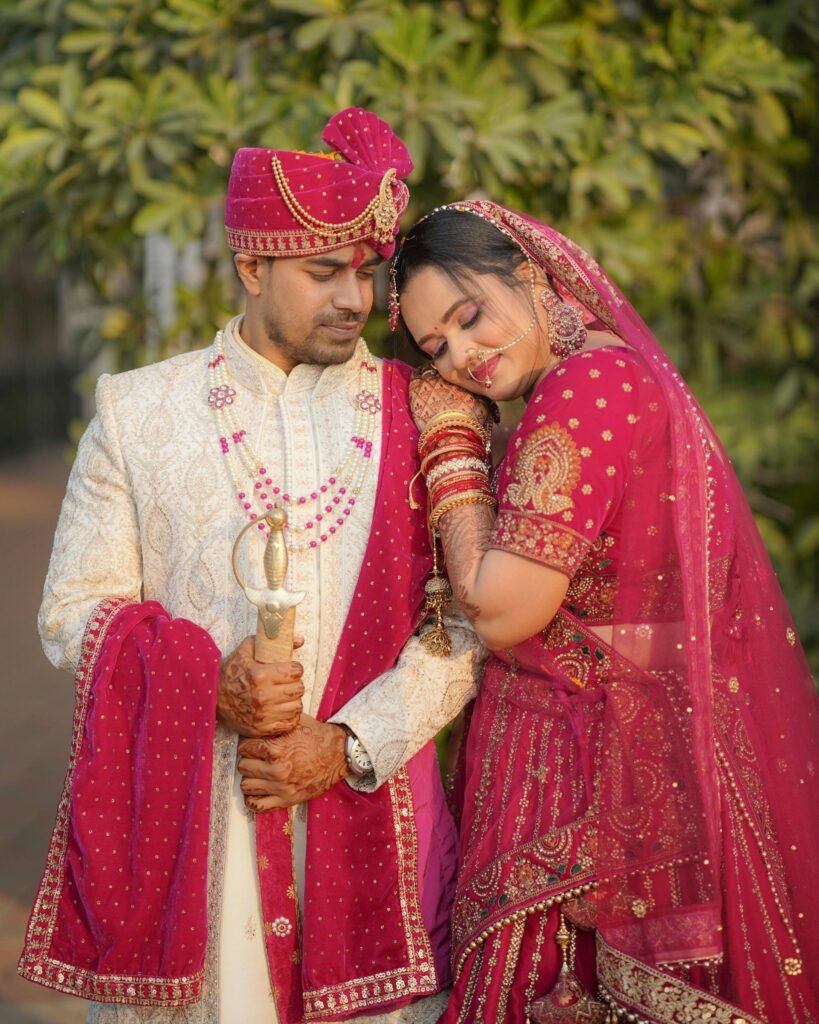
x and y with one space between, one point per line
430 394
256 699
465 534
286 770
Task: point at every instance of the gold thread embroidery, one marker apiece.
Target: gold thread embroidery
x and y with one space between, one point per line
546 471
35 963
663 998
543 540
417 976
518 915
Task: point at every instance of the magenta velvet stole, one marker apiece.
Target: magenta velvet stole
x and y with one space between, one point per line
378 884
121 912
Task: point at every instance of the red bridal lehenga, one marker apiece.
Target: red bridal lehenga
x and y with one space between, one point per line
639 831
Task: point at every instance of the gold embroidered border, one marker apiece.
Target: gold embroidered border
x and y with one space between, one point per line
759 828
35 963
527 534
519 915
418 976
116 988
291 243
633 988
529 871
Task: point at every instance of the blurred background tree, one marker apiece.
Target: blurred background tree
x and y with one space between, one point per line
675 139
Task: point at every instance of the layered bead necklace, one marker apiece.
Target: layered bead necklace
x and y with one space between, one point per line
333 501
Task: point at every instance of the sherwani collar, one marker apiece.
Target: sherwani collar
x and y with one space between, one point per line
256 374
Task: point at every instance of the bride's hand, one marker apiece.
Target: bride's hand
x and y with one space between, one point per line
430 394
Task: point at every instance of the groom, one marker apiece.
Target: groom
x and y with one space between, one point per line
164 898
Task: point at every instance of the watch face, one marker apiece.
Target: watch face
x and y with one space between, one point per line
358 760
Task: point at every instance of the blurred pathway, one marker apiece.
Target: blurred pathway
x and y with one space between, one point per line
36 704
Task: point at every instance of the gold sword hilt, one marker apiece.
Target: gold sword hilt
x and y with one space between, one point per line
276 606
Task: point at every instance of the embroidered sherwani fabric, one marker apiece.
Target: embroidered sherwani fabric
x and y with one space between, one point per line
150 513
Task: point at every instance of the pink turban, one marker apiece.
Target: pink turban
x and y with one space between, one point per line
281 203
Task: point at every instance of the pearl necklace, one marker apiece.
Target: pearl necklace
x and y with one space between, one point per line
336 497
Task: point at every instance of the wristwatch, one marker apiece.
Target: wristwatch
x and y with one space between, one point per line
358 760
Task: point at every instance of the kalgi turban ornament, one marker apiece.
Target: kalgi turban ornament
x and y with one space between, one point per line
282 203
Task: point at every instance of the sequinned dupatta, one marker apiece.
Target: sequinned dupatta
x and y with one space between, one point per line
363 849
693 566
120 914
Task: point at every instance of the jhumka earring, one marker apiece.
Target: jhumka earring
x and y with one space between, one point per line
393 307
567 332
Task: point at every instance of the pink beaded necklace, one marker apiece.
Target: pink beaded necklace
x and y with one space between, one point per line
333 501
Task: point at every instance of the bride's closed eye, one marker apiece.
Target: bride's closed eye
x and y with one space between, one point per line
440 349
472 318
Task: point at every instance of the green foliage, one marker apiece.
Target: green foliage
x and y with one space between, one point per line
676 139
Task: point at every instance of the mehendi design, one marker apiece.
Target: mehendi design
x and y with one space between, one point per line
430 394
284 770
256 699
465 536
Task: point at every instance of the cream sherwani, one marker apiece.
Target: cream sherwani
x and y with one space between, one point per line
150 514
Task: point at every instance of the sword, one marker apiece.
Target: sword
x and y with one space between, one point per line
276 606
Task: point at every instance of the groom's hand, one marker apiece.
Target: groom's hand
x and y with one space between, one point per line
256 699
281 771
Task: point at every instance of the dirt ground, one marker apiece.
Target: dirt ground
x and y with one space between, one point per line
35 725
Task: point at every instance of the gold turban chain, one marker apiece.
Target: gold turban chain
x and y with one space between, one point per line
381 209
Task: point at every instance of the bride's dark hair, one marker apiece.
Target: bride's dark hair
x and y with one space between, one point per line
461 246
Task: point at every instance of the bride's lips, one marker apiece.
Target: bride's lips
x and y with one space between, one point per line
483 371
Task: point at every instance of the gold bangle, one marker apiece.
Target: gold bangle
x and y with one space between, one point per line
468 498
452 419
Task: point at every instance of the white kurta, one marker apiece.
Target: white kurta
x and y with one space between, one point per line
130 528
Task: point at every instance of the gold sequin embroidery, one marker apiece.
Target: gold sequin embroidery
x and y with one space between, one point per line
546 470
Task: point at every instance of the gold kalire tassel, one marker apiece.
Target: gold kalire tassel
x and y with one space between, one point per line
437 641
568 1000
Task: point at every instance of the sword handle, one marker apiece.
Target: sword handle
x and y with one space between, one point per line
280 648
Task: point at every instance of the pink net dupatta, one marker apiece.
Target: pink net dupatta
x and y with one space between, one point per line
380 866
120 915
706 793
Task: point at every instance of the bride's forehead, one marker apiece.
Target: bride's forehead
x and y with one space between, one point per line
429 293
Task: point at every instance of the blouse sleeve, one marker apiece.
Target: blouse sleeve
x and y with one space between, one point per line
565 469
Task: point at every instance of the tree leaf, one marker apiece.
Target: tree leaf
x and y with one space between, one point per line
43 108
86 40
155 216
21 145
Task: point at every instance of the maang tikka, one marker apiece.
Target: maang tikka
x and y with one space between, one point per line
567 332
